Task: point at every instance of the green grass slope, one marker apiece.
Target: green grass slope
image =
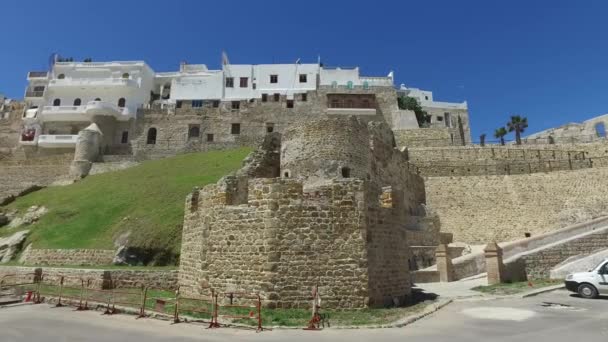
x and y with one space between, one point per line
147 200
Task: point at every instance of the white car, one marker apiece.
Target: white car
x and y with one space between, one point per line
590 284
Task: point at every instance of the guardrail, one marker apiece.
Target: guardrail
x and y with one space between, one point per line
212 307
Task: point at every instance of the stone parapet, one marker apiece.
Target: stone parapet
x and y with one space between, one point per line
59 257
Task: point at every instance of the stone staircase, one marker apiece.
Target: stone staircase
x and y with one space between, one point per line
538 255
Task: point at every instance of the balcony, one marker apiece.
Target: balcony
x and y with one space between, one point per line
351 111
34 93
84 113
377 81
81 82
37 75
57 141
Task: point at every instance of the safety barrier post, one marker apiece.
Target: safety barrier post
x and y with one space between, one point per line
83 296
214 305
59 304
176 308
317 321
142 309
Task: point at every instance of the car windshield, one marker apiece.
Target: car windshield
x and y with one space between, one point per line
598 265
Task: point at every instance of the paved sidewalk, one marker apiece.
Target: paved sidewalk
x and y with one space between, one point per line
455 290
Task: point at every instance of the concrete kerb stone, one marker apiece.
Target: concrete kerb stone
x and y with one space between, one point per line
541 290
428 310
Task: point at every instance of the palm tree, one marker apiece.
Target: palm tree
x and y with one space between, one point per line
500 133
517 124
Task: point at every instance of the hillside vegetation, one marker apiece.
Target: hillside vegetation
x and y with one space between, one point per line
146 200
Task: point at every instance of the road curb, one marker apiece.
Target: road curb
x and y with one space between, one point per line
542 290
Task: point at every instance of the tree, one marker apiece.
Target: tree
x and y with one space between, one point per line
518 124
410 103
500 133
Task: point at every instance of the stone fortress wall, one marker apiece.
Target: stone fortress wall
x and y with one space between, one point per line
254 118
478 209
341 225
60 257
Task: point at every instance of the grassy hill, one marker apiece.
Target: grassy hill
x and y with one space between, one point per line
147 200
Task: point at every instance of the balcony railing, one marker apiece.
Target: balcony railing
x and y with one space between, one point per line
57 141
37 74
34 93
66 82
377 81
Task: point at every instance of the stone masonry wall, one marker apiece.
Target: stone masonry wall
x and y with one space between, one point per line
478 209
346 232
159 279
82 257
538 265
16 176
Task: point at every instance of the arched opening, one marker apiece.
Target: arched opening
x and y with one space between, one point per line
151 140
194 131
125 75
286 174
600 130
97 99
77 102
121 102
57 102
61 76
345 172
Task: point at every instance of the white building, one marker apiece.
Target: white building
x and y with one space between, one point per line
71 95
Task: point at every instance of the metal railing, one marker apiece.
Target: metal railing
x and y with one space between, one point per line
37 74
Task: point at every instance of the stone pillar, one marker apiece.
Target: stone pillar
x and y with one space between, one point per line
494 265
87 151
444 263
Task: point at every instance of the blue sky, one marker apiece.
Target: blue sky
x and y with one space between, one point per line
546 60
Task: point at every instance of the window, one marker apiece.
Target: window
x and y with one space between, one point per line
426 97
243 82
365 103
61 76
349 104
345 172
197 103
269 127
264 97
229 82
125 75
39 88
303 78
349 84
304 97
236 104
209 137
289 103
439 118
274 78
335 103
57 102
600 130
448 119
277 97
216 103
194 131
253 85
178 104
97 99
125 137
236 128
121 102
151 140
77 102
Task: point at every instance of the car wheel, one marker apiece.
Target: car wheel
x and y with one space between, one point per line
587 291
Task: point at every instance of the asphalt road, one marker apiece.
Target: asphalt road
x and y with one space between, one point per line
569 319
